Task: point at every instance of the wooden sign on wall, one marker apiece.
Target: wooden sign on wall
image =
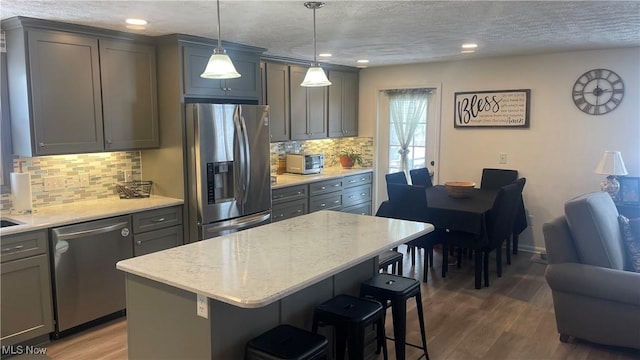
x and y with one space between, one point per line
495 108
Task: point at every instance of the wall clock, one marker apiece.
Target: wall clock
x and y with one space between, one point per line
598 91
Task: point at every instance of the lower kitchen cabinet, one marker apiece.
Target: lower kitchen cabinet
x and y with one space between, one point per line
289 202
156 230
27 308
350 194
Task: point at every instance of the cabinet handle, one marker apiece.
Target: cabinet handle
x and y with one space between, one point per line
352 196
322 188
363 194
158 220
323 205
41 144
336 185
299 193
15 248
108 141
298 211
352 181
336 202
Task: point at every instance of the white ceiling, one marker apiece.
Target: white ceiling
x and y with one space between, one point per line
385 32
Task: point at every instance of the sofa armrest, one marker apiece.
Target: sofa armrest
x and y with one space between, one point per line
592 281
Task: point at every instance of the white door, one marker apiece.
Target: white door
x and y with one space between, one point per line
425 147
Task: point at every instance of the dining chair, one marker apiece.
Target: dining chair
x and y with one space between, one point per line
421 177
499 224
409 202
494 179
392 257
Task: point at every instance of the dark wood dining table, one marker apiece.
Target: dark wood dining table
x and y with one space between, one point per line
468 215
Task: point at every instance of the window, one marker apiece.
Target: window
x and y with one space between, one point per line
407 129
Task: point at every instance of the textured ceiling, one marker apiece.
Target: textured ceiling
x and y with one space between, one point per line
385 32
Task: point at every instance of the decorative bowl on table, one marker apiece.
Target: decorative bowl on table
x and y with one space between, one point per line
459 189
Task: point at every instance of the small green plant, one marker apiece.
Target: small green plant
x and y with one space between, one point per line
353 155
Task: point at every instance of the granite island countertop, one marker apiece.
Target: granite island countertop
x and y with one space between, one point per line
80 211
288 179
258 266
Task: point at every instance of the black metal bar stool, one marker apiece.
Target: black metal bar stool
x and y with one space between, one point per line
350 316
393 290
286 342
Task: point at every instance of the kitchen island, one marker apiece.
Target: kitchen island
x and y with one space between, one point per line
251 281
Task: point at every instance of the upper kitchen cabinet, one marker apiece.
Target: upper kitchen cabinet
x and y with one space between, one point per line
308 107
76 89
129 99
343 104
276 95
247 63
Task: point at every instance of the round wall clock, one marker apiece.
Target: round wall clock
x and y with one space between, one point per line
598 91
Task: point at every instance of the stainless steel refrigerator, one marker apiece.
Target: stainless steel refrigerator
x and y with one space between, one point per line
228 177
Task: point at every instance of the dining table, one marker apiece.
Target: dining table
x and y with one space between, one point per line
467 214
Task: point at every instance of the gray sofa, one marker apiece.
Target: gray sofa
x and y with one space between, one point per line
595 295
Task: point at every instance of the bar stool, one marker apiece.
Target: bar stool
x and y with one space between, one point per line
286 342
393 290
350 316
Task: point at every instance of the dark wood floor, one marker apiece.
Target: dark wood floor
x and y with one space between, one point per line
511 319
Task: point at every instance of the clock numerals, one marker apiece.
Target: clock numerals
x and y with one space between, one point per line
598 91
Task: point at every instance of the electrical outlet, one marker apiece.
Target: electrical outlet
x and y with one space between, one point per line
503 158
54 183
202 306
128 175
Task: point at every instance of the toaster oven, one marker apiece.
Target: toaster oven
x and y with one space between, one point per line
305 163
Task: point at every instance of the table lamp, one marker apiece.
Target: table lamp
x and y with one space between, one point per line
611 164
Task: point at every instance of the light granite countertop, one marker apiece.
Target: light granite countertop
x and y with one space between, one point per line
259 266
286 179
79 211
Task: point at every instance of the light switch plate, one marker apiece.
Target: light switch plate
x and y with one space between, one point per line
503 158
202 306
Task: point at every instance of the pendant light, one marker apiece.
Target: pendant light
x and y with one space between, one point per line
315 75
220 65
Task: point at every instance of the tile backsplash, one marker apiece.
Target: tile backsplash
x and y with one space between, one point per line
329 147
85 176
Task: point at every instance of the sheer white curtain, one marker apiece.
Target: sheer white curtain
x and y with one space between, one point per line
406 108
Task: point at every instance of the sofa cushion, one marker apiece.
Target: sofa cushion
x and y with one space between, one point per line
631 240
593 221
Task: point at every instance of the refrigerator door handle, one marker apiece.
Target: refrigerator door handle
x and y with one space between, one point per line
247 168
243 154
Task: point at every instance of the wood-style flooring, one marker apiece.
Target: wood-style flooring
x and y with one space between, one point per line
511 319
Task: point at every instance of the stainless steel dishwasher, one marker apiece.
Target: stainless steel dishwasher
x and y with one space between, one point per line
86 284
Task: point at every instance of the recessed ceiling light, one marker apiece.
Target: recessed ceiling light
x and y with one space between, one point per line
363 61
325 55
469 46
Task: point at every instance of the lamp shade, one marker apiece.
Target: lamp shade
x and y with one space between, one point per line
315 77
611 164
220 67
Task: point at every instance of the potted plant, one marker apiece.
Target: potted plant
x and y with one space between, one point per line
348 157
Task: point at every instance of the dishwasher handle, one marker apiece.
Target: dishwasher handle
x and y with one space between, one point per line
90 232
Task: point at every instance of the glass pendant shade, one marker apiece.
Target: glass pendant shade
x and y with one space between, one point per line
220 67
315 77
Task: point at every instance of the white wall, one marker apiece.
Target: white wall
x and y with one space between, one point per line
563 145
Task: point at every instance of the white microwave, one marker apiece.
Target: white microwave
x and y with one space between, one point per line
305 163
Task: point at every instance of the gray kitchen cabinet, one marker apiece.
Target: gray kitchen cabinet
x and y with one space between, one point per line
129 99
357 193
277 97
343 104
61 102
156 230
289 202
195 59
308 107
325 195
26 305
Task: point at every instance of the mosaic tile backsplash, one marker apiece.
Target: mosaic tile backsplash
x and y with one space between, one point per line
329 147
85 176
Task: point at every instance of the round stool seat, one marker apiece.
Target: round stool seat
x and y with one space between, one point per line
286 342
345 308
